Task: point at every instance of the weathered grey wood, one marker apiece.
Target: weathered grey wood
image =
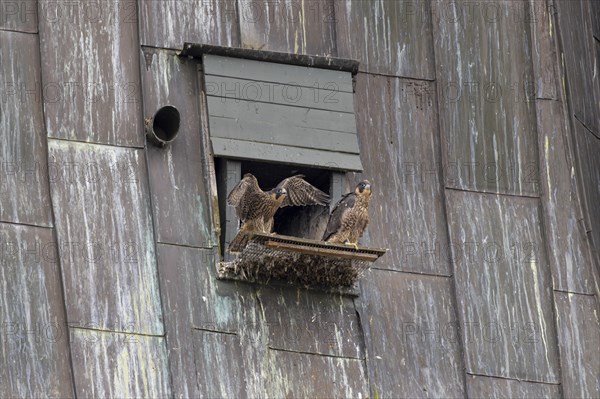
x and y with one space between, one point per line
276 153
581 65
310 376
503 286
24 191
264 131
198 50
90 72
326 97
388 37
569 256
543 34
104 225
34 348
177 176
588 172
490 387
578 321
410 327
281 115
168 24
306 321
232 176
487 114
277 73
20 16
400 148
219 368
108 364
294 26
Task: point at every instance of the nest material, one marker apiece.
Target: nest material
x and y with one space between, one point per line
299 262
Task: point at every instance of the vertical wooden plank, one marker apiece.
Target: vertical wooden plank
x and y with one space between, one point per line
543 50
400 150
177 175
91 80
232 175
168 24
19 16
503 286
311 322
310 376
219 371
104 225
588 162
115 365
486 105
579 341
489 387
289 26
24 191
387 37
570 259
34 348
411 331
579 57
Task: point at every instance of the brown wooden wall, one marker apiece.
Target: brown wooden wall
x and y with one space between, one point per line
479 126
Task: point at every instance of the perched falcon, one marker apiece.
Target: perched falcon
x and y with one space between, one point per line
350 216
256 208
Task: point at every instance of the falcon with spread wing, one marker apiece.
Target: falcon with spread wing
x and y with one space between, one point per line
350 216
256 208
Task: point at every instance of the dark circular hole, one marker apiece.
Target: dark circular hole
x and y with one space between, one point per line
166 123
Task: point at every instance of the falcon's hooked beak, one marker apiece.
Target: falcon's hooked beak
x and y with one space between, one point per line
364 187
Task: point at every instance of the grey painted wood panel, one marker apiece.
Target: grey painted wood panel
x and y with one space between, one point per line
219 367
90 72
20 16
308 321
578 321
489 387
401 153
486 109
277 73
503 286
570 259
193 298
289 26
326 97
260 131
581 67
588 173
310 376
291 155
168 24
118 365
104 225
387 37
24 190
413 345
543 34
177 175
282 115
34 346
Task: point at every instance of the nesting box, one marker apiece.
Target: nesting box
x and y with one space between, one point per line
299 261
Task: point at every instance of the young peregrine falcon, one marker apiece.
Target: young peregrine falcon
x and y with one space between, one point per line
256 208
350 216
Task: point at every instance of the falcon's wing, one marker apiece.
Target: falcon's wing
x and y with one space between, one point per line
301 192
335 219
237 197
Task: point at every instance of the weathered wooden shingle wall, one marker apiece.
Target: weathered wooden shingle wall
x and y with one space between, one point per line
478 127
